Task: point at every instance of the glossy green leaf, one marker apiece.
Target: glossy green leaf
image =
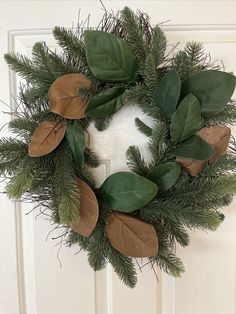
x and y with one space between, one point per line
167 93
127 192
105 103
196 148
76 140
109 57
186 119
212 88
165 175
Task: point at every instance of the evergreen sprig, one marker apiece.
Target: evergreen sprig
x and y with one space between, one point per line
191 60
72 45
98 247
66 187
135 161
159 46
135 35
227 116
169 262
142 127
123 266
12 152
22 180
24 67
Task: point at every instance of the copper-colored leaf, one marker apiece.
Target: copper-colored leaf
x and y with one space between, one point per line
63 96
218 137
47 136
88 210
131 236
194 167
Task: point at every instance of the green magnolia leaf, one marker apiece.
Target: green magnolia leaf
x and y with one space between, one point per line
165 175
212 88
167 93
127 192
105 103
196 148
76 140
186 119
109 57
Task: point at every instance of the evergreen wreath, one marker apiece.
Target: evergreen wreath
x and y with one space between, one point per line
144 212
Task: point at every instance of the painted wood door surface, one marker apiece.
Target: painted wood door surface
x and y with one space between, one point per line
36 276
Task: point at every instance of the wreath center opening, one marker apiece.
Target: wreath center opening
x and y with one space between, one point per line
112 144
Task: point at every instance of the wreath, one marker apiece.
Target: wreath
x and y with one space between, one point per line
144 212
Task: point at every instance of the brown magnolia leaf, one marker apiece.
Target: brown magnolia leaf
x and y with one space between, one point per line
47 136
131 236
218 137
194 167
88 211
63 96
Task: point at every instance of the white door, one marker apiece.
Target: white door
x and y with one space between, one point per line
31 279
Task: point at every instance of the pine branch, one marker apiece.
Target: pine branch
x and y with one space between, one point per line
182 212
209 189
153 110
134 35
86 175
43 180
137 93
142 127
169 262
135 161
226 164
217 187
75 238
91 159
22 179
70 43
35 97
51 63
23 126
158 144
176 232
101 124
41 60
42 190
159 46
26 68
54 201
227 116
166 227
65 185
123 266
37 94
216 202
12 152
190 61
150 75
97 248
